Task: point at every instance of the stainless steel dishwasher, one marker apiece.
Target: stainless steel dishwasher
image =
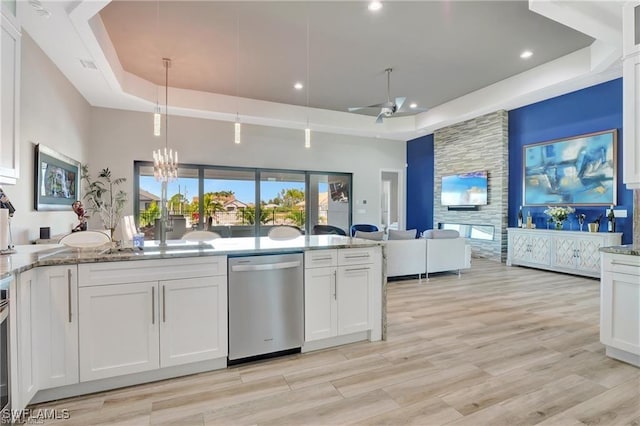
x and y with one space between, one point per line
265 304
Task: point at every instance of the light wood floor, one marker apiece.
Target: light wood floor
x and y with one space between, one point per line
500 346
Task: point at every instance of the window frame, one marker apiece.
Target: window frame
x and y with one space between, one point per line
257 171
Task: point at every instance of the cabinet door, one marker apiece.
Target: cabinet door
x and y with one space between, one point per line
27 367
320 307
565 252
352 293
519 247
589 255
57 325
540 249
193 320
9 101
119 331
620 311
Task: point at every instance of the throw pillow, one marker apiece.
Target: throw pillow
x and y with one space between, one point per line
376 236
440 233
409 234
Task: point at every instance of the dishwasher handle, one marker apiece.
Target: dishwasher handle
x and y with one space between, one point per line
266 266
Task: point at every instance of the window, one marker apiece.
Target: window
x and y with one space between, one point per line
241 202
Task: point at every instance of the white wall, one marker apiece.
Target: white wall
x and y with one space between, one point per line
52 113
120 137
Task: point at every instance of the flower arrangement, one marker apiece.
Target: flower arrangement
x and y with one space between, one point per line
104 198
558 214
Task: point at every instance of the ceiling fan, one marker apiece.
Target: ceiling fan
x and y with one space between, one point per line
388 108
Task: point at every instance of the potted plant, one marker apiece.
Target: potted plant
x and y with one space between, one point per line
104 197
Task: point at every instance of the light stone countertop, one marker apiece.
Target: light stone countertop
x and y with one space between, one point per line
629 249
30 256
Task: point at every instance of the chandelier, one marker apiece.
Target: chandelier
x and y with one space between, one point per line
165 162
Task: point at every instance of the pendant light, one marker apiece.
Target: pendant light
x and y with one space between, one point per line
165 163
237 127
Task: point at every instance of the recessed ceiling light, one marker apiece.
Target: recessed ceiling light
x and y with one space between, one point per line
298 86
375 6
526 54
413 105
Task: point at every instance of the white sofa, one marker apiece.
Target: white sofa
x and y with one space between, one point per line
447 254
406 257
442 251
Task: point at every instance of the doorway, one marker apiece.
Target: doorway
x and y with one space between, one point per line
392 200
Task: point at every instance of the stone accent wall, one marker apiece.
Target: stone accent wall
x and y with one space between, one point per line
476 145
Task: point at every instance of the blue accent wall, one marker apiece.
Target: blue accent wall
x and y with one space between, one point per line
588 110
420 183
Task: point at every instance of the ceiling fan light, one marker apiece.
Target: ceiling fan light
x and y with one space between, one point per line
374 6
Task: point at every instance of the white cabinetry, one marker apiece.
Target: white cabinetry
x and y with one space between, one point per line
631 94
142 315
9 95
620 306
56 325
27 366
342 292
561 251
118 329
529 249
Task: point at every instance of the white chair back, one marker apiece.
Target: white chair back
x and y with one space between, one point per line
200 236
284 232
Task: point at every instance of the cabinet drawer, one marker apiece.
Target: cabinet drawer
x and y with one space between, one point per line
106 273
357 256
621 263
320 258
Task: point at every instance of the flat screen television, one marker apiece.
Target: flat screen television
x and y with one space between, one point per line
464 189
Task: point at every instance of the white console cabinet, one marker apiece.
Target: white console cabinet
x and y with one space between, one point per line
342 293
620 306
138 316
573 252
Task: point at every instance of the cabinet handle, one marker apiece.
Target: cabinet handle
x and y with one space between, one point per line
366 268
153 305
359 256
164 306
578 253
69 291
613 262
320 258
335 286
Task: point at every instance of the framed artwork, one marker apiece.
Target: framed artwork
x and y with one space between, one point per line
580 170
57 180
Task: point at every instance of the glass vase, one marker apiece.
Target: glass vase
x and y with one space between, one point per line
558 225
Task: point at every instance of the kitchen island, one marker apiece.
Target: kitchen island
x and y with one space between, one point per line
620 302
95 319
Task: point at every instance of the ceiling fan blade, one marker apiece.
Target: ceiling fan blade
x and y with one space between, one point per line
400 102
352 109
412 110
379 118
